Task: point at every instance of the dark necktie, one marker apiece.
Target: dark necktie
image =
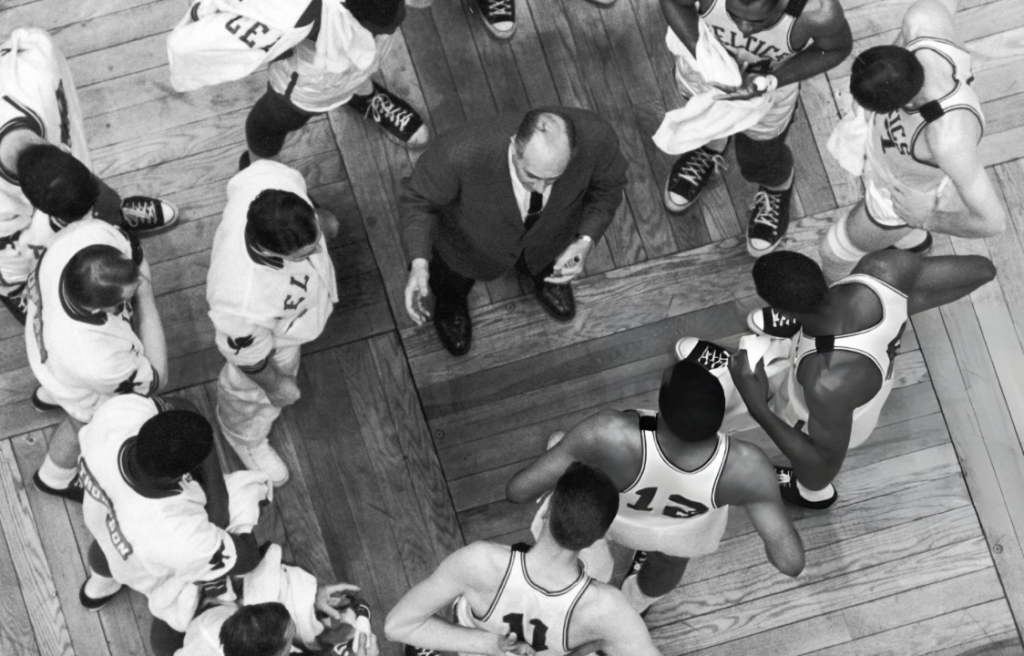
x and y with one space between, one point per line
533 212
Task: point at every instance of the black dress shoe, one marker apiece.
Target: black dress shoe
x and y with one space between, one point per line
73 492
454 329
557 300
93 605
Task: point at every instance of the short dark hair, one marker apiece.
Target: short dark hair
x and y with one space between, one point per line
789 281
97 276
691 401
55 182
173 443
583 506
533 123
256 630
771 3
885 78
281 222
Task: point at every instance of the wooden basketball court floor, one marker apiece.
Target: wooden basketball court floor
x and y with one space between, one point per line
400 453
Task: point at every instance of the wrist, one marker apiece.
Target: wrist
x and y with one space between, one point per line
419 264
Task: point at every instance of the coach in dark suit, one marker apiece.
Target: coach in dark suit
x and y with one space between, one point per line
535 192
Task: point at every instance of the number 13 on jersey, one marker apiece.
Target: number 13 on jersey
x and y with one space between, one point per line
685 508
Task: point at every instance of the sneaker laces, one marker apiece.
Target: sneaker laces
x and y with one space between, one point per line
785 478
779 320
713 358
697 166
766 206
143 212
382 108
498 8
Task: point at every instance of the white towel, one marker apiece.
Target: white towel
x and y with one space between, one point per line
848 142
705 117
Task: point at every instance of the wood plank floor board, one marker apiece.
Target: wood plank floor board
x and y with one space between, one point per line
50 515
113 29
54 14
16 636
124 60
825 596
34 575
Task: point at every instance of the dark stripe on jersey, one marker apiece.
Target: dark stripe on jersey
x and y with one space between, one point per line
291 85
568 615
501 588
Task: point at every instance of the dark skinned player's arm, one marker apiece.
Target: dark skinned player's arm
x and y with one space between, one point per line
831 43
208 474
749 480
247 552
928 282
683 19
541 475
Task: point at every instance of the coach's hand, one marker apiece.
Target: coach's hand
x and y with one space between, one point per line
417 291
285 391
570 263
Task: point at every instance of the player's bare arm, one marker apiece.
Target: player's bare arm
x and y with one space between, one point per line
149 327
474 571
824 24
749 480
594 441
953 144
212 479
247 553
928 282
818 454
683 19
606 621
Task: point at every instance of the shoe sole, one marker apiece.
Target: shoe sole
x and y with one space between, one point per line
756 253
42 406
674 207
753 328
405 144
685 346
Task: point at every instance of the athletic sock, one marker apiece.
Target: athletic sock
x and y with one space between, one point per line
98 586
816 495
56 476
637 599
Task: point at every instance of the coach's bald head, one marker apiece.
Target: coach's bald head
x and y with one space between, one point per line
542 148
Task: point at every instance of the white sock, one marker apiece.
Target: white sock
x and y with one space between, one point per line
637 599
98 586
913 238
816 495
56 476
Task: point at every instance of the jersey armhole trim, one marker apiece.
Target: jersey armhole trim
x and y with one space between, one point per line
568 614
725 458
501 588
643 456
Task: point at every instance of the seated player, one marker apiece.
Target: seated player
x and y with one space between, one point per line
527 600
837 372
45 182
676 475
94 333
923 172
164 519
271 288
284 609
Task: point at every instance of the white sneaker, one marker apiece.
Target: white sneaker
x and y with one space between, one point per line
262 457
709 355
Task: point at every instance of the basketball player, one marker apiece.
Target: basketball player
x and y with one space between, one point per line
676 475
527 600
283 607
837 371
45 182
923 171
157 506
790 40
271 288
94 333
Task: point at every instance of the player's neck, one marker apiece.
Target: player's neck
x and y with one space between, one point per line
12 145
685 454
550 564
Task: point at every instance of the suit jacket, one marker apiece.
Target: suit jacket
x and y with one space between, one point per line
459 199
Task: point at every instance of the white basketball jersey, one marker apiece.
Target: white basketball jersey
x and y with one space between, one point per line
879 343
664 495
539 617
764 50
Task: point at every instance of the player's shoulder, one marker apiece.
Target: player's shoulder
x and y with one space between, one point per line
745 475
839 382
601 610
823 16
127 410
479 565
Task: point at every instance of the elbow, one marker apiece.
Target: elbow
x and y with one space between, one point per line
989 271
993 225
794 566
394 629
516 493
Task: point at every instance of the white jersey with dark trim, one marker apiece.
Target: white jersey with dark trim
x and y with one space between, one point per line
160 544
260 302
663 495
538 616
894 136
879 343
764 50
83 357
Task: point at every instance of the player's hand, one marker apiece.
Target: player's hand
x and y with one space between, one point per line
570 263
328 223
753 86
511 644
366 645
912 205
417 291
329 598
284 392
752 385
